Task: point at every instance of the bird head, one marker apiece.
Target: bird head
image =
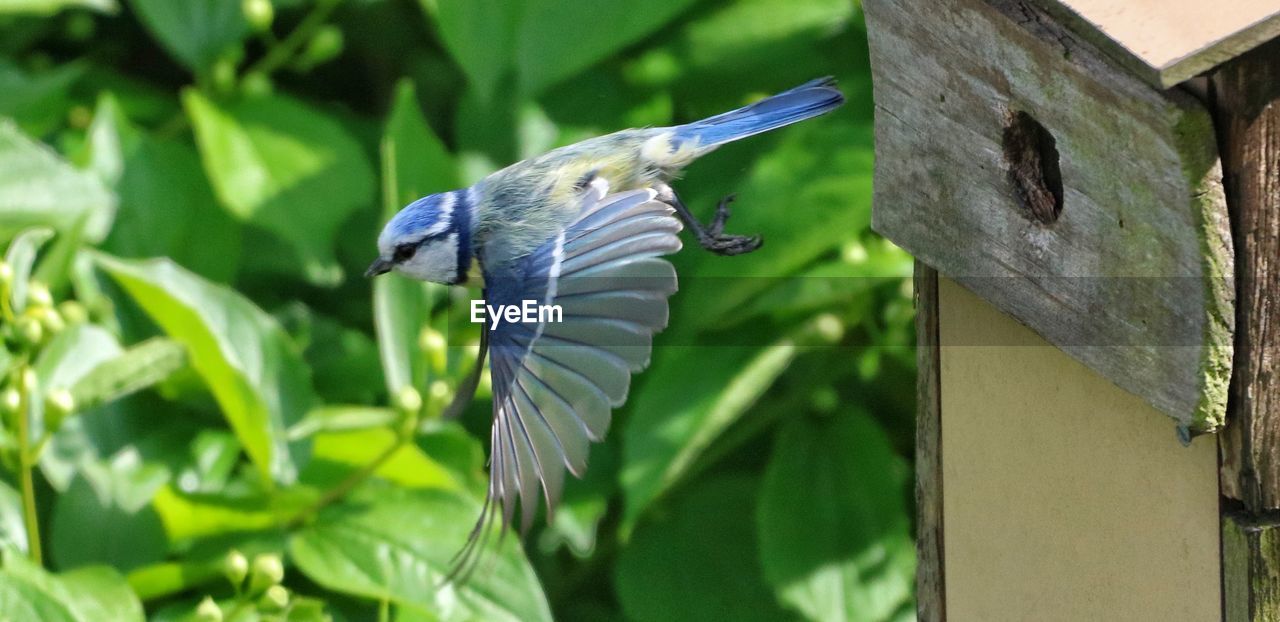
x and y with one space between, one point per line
428 240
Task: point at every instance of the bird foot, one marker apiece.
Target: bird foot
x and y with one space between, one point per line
711 236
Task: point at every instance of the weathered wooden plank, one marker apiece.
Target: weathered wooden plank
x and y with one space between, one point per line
1246 94
1014 158
1250 570
930 581
1168 41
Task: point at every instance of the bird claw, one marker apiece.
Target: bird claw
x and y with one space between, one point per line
711 236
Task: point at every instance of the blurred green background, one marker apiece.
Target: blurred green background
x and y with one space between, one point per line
208 414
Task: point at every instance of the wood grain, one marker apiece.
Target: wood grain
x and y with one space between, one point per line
1246 95
1168 41
1129 277
1250 569
930 581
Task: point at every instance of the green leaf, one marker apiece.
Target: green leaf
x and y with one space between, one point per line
21 256
396 544
104 516
699 561
668 430
38 101
89 594
559 38
545 41
49 7
414 164
39 188
833 525
340 418
167 208
740 33
13 531
336 455
136 369
253 370
480 35
286 167
195 32
189 516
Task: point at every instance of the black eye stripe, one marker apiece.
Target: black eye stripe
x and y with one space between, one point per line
406 251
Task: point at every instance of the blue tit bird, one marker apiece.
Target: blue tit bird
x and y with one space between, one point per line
583 228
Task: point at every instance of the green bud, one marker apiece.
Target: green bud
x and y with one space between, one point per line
208 611
408 399
433 344
79 26
28 381
256 84
235 568
224 75
79 117
274 600
825 400
58 404
29 331
50 320
10 400
38 295
829 327
268 570
324 46
259 14
73 312
439 390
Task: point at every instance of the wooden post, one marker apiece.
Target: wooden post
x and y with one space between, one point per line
930 587
1246 97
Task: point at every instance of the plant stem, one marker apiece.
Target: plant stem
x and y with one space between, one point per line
279 54
25 467
346 485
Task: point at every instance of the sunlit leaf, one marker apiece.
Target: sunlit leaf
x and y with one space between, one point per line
282 165
87 594
833 527
13 531
195 32
396 544
138 368
698 562
336 455
21 257
49 7
39 188
248 363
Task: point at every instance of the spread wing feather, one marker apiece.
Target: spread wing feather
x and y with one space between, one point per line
555 383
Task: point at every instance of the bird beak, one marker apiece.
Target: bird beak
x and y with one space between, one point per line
379 266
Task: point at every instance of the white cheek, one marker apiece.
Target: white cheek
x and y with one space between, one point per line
436 262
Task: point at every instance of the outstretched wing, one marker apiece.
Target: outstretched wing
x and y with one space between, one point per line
555 383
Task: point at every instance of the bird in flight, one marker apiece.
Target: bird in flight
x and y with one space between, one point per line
584 228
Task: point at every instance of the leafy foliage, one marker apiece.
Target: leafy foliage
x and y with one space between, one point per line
205 415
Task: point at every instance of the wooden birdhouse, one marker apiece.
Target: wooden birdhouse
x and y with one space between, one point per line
1092 192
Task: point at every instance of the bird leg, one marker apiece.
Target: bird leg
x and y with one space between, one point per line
711 236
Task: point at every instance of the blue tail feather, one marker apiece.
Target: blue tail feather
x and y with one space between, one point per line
803 102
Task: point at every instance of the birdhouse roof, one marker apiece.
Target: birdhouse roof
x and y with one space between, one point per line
1168 41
